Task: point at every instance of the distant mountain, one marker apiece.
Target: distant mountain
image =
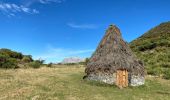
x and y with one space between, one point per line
154 49
72 60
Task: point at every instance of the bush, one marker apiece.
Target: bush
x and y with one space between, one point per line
166 74
147 46
69 64
35 64
6 62
27 59
40 61
154 70
86 61
11 53
165 65
49 65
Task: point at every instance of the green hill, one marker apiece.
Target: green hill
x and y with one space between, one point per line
154 49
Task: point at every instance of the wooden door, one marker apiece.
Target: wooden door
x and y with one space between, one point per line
122 78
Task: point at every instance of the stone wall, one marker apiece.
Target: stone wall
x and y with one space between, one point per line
137 80
109 79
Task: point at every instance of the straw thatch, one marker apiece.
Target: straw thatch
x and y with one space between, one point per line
112 54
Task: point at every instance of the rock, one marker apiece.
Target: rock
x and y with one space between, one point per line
72 60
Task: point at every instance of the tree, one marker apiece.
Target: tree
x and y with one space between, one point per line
86 61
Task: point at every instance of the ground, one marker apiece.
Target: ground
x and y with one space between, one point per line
66 83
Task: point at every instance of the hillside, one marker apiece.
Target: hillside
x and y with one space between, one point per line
154 49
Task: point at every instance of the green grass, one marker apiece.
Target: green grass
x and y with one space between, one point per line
66 83
153 48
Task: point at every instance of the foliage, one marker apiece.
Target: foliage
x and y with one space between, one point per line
154 49
167 74
6 62
40 61
156 70
11 54
69 64
49 65
35 64
147 46
13 59
27 59
86 61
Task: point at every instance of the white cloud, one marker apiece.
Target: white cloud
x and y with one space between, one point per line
11 9
61 53
31 2
48 1
82 26
35 11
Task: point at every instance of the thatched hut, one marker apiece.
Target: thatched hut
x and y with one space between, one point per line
113 62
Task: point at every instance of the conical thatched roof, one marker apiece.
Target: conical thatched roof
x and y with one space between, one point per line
112 54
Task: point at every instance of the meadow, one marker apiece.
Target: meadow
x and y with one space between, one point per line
65 83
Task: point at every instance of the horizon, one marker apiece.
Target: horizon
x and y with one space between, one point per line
56 29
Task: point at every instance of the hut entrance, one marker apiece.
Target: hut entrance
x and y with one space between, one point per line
122 78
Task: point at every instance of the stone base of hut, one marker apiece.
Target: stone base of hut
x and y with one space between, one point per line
111 79
137 80
106 78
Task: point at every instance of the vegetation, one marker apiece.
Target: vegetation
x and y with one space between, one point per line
35 64
154 49
167 74
12 59
27 59
7 62
66 83
50 65
86 61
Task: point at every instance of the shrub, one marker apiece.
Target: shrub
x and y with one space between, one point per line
86 61
166 74
40 61
69 64
165 65
27 59
11 53
147 46
35 64
49 65
154 70
11 63
6 62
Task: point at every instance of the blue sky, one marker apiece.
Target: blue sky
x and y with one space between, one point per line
56 29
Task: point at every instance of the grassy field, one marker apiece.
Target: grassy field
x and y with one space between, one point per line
66 83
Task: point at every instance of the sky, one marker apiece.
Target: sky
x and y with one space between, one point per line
56 29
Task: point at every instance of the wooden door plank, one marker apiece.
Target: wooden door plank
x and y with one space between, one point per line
122 78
